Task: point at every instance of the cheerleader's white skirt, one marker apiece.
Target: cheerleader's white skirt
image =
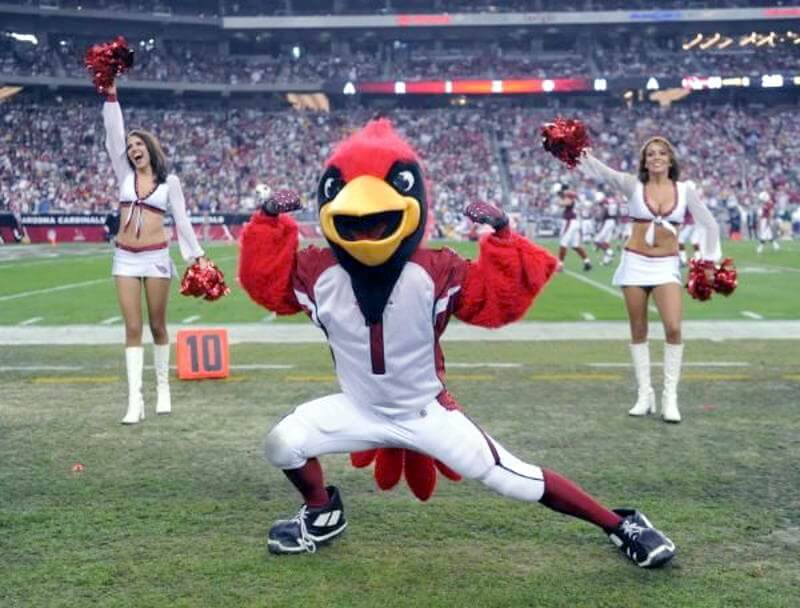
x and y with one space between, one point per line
155 263
637 269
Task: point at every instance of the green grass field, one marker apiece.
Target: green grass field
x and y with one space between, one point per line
173 512
75 288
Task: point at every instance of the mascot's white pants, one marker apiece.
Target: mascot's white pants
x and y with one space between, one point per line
335 424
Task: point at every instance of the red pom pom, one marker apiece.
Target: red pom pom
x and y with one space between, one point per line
107 61
725 279
565 138
207 283
698 285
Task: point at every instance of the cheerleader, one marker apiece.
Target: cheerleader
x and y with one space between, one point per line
141 257
657 205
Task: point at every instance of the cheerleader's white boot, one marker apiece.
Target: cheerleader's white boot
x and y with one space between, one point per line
646 400
161 364
673 358
134 361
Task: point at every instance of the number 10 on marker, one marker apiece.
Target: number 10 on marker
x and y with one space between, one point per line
202 353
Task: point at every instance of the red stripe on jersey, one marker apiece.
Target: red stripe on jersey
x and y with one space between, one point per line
376 348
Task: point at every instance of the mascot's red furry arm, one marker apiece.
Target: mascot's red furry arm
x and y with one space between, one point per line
501 284
267 261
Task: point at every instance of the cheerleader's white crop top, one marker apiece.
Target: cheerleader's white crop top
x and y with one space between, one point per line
165 197
640 210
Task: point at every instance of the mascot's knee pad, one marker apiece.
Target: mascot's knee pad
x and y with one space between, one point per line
518 485
283 446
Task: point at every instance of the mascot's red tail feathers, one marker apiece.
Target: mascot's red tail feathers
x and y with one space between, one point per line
392 463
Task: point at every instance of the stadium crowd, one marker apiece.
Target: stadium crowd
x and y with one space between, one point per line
213 8
56 161
248 63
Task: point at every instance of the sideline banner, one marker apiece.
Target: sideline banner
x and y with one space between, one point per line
91 227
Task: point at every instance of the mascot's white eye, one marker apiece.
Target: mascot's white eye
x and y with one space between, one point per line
331 187
404 181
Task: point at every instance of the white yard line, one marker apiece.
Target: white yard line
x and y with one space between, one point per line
610 290
40 368
73 368
36 292
191 319
524 331
751 315
30 321
787 268
492 365
14 263
110 320
587 316
685 364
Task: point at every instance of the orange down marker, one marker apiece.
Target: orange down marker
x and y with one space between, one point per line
202 353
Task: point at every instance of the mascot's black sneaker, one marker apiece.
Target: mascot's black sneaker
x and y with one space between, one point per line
640 541
309 528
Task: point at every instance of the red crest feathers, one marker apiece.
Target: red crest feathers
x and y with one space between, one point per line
371 151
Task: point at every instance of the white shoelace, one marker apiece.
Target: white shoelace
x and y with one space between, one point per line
304 540
632 529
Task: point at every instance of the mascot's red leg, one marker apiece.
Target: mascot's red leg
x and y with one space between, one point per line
362 459
420 474
310 482
388 467
562 495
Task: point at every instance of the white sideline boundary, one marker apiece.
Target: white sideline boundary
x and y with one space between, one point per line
525 331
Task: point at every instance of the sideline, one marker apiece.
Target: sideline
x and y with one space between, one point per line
525 331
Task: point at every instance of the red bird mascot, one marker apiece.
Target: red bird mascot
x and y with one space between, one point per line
383 302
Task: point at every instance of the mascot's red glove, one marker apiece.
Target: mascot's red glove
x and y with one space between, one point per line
282 201
486 213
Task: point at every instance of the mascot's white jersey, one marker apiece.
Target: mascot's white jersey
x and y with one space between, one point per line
396 366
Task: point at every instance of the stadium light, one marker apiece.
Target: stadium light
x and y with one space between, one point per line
767 39
692 42
497 86
711 41
24 37
725 43
751 39
349 89
448 86
771 81
600 84
400 87
548 86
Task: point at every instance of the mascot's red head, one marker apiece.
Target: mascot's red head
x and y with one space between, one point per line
373 210
372 195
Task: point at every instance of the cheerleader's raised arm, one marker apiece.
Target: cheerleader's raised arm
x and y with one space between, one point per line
593 167
116 144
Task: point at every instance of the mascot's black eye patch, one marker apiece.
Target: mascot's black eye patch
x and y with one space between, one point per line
330 184
403 181
405 178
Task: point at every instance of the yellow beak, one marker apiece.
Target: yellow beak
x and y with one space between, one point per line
368 195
